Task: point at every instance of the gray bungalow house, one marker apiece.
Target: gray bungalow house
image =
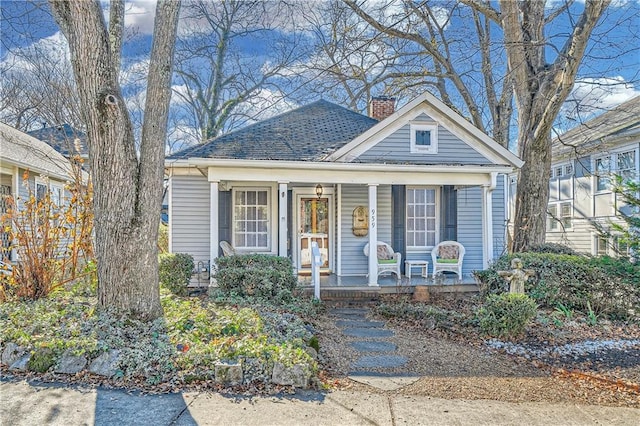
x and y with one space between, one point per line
48 171
409 178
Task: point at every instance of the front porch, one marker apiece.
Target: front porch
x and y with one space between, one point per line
356 288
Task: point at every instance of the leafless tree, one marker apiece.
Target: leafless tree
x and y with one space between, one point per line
540 86
229 61
127 187
37 87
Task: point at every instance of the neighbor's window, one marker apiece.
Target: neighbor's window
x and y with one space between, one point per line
56 195
552 217
559 213
421 218
424 138
603 170
41 191
566 213
627 165
251 219
601 245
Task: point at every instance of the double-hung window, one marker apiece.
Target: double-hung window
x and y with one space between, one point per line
603 171
626 165
559 214
251 207
424 138
421 218
41 191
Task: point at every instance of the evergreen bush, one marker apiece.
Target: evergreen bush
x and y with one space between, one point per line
506 315
608 285
256 276
175 272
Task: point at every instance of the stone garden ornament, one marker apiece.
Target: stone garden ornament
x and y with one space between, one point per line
517 276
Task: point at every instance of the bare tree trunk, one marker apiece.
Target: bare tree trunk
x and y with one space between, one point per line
127 191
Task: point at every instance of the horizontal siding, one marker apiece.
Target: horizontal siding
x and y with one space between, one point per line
470 227
580 237
354 262
395 148
189 216
499 221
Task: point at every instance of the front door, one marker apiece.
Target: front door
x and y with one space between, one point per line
313 225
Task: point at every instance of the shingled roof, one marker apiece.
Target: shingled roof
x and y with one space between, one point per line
588 137
308 133
64 139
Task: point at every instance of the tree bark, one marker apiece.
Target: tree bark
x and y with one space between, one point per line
127 190
540 89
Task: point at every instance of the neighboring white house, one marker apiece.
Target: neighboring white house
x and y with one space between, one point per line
584 160
323 173
47 170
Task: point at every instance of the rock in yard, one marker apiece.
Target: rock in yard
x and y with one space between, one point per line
312 352
11 353
297 376
106 364
70 364
228 374
21 363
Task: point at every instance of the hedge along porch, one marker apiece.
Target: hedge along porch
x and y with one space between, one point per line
326 174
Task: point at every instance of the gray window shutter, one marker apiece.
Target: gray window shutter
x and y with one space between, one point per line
224 217
399 208
449 214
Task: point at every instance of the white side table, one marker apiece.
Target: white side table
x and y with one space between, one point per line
408 264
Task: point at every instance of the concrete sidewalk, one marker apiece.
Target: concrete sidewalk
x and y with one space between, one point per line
22 403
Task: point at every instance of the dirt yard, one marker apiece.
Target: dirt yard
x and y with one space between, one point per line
552 363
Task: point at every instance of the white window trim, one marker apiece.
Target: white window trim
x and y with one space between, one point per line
271 210
39 181
420 249
431 149
60 186
558 217
596 175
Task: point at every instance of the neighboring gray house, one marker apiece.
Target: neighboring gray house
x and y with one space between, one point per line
323 173
584 159
48 172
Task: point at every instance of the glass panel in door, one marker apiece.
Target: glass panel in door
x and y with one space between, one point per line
314 226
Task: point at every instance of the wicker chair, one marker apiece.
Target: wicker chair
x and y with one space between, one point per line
448 256
388 260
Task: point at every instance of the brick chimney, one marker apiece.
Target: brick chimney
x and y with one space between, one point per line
381 107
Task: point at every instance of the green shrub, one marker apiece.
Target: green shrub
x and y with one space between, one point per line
41 360
163 238
609 286
257 276
554 248
175 271
506 315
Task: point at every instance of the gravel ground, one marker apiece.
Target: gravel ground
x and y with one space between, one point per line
472 369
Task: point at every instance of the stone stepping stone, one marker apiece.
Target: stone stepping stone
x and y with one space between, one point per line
374 346
367 332
359 324
379 361
350 312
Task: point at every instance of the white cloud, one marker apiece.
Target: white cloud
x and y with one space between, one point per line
591 95
140 15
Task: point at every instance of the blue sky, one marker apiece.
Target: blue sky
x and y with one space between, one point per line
603 81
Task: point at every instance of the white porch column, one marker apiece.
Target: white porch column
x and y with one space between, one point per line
214 238
373 234
283 226
487 225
